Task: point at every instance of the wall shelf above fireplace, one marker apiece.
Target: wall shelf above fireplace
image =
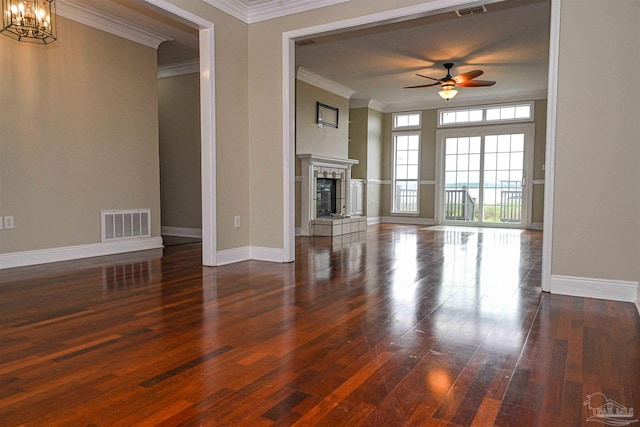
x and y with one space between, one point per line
328 161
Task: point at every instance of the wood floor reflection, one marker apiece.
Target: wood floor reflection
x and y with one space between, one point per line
400 325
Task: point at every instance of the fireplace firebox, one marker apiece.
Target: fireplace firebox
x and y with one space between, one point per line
325 197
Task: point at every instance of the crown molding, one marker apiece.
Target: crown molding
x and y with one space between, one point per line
359 103
109 24
367 103
463 102
173 70
322 82
234 8
375 105
276 9
432 105
268 9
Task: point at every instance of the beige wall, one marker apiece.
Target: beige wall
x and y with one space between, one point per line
597 182
375 135
540 146
232 123
358 140
374 162
322 141
79 134
84 64
232 148
180 173
539 150
366 145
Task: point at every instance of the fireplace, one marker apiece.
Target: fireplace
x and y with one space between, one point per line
326 197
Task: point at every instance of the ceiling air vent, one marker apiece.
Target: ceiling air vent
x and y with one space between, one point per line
471 11
305 42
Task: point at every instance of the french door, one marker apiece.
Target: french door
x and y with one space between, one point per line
483 175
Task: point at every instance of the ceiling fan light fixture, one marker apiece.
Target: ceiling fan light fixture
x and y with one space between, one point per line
447 92
448 83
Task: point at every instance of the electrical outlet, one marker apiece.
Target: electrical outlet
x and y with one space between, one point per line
8 223
1 222
236 221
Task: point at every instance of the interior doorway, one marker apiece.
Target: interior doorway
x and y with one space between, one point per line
207 125
288 109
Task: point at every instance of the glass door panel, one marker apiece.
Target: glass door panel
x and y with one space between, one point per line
462 178
483 178
503 178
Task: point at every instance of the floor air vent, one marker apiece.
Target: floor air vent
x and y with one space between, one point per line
126 224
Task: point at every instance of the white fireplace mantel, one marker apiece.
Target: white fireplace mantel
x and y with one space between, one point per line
312 165
328 161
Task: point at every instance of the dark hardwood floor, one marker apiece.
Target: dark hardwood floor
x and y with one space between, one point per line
396 326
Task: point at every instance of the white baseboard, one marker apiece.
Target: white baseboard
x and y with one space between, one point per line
181 231
408 220
298 231
230 256
373 220
615 290
246 253
536 226
68 253
267 254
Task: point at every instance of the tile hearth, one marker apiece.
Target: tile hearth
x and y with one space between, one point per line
338 226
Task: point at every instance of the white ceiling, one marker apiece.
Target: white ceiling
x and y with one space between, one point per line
509 42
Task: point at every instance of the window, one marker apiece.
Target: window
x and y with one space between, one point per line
460 116
406 166
511 112
410 120
488 114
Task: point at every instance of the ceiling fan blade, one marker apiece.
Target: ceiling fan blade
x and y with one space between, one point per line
467 76
430 84
427 77
477 83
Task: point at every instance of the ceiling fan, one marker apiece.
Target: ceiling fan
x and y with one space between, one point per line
448 83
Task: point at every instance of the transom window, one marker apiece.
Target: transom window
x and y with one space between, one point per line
410 120
522 111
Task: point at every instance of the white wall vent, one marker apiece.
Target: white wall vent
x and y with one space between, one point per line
126 224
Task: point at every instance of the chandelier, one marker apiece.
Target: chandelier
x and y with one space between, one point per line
29 20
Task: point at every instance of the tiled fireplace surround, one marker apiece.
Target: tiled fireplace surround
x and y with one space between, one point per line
314 167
